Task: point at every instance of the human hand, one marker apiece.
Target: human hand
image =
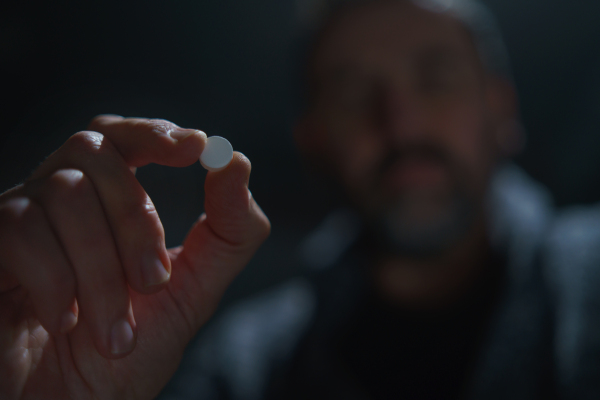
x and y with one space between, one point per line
92 304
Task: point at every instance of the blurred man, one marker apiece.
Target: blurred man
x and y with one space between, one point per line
453 277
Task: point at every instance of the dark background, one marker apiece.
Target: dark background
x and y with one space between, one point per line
229 67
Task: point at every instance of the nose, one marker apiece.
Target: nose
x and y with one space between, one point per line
401 115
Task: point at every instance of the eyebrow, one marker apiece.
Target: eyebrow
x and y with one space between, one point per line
431 56
435 54
333 76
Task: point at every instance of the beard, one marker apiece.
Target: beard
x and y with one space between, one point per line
422 222
403 230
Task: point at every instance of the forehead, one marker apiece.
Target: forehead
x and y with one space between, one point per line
386 32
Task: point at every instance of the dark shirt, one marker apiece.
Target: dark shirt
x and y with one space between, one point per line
365 348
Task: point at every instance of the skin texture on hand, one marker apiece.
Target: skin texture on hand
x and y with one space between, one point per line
82 251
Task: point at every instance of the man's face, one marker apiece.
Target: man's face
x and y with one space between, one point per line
400 98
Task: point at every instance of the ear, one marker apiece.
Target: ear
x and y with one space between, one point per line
503 104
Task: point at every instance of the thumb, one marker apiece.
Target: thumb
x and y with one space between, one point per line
222 242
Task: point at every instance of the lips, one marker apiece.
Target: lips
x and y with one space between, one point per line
413 173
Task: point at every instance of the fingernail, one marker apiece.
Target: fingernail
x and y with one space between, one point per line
180 134
68 321
153 270
121 338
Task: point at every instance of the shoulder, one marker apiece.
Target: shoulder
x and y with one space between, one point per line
572 259
576 234
551 302
571 253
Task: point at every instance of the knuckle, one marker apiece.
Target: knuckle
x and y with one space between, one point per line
134 211
87 142
18 209
68 177
158 127
17 216
68 185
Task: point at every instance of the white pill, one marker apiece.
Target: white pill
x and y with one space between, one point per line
217 153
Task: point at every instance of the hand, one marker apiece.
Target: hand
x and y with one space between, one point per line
92 304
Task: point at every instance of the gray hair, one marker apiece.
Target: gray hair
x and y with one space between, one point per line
476 18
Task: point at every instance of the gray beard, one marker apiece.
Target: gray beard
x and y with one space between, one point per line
397 233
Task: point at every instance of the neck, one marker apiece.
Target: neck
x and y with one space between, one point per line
435 282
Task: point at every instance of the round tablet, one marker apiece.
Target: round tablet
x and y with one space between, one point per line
217 153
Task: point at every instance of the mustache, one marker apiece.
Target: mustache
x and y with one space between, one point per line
417 151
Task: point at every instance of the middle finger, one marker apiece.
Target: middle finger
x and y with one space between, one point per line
74 210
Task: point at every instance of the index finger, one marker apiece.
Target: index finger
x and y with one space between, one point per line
143 141
137 141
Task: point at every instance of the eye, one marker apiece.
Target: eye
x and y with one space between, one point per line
441 73
439 78
355 94
349 91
